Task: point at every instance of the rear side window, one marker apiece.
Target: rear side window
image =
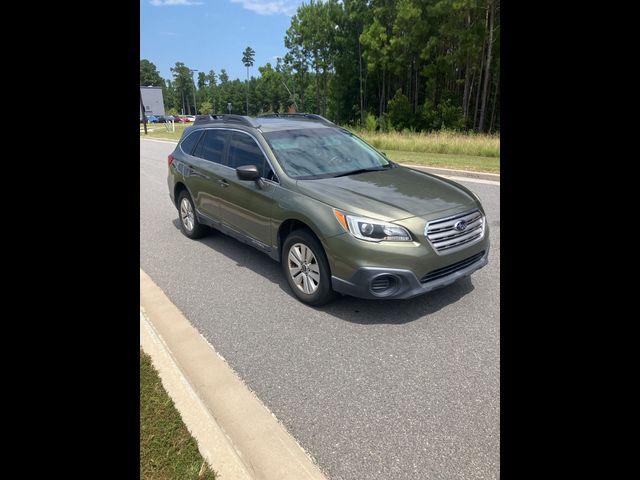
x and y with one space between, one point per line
211 147
245 151
190 142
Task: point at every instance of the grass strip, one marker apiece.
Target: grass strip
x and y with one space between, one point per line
167 449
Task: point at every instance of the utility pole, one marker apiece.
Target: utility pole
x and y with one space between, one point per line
195 107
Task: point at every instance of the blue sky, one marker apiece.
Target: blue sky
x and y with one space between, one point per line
212 34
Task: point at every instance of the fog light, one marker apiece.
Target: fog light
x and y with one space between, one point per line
384 285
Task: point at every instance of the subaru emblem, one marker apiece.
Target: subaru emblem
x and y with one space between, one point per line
460 226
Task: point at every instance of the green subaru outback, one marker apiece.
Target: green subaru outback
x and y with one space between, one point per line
339 215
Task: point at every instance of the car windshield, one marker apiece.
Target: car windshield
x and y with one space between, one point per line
312 153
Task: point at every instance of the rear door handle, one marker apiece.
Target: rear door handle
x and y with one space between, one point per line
223 183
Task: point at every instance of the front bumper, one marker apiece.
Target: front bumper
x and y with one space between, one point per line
405 284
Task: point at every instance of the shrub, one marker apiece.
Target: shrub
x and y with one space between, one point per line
450 116
428 116
384 124
400 114
206 107
371 122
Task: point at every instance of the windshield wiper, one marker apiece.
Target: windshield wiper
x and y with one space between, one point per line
362 170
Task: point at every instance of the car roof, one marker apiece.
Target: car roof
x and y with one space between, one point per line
276 124
266 123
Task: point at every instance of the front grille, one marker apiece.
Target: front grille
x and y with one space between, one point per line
444 271
446 238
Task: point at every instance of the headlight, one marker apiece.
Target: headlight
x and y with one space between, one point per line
372 230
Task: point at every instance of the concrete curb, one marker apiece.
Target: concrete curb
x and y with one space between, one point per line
235 431
457 173
436 170
214 445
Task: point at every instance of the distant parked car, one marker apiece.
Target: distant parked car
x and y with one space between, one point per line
152 119
178 119
165 118
191 118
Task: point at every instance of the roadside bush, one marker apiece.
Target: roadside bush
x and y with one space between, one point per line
450 116
428 116
371 122
384 124
206 107
445 116
400 114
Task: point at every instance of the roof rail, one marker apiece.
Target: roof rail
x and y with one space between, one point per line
244 120
298 116
206 118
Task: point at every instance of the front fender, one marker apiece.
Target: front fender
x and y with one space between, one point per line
318 216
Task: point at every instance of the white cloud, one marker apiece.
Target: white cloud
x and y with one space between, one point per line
270 7
168 3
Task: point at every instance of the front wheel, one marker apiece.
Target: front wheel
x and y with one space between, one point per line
306 268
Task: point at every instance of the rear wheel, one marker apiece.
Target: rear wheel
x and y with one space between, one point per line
189 224
306 268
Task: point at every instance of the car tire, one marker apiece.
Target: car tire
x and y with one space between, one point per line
306 268
189 224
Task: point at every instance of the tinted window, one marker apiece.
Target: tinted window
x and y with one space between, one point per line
211 147
245 151
190 142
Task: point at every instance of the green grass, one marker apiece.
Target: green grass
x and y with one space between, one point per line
479 153
158 130
167 449
435 142
445 160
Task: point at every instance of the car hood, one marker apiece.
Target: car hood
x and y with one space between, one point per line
391 194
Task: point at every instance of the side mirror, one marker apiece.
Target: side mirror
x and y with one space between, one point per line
248 172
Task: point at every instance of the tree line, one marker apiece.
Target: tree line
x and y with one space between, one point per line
381 64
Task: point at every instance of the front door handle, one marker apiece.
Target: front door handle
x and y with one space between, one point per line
224 183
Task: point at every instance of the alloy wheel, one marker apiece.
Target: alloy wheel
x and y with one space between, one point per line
304 268
186 214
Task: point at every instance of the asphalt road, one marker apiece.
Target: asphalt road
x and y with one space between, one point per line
372 389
